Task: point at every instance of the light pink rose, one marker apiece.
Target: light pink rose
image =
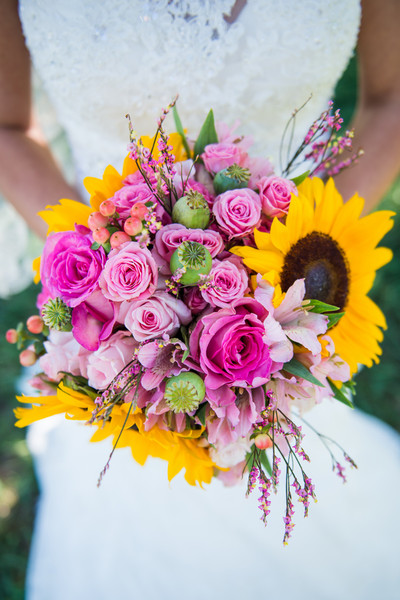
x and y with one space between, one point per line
276 194
226 282
63 353
237 212
111 357
130 273
158 316
222 155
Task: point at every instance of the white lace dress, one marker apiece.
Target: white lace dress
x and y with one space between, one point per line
138 536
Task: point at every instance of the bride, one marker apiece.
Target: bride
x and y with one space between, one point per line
138 537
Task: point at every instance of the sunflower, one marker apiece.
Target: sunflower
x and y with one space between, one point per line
325 241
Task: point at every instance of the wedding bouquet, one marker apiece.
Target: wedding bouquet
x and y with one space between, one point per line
202 303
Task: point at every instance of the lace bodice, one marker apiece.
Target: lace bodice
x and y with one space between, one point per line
101 60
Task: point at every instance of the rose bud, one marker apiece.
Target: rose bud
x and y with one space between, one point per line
101 235
107 208
35 324
12 336
133 226
97 220
27 358
191 211
118 238
263 441
139 210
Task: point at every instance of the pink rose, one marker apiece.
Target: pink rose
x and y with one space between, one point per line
237 212
226 282
158 316
93 320
129 195
275 194
111 357
130 273
194 300
222 155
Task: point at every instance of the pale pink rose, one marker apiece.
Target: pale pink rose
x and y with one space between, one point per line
130 273
276 194
63 353
237 212
111 357
155 317
226 282
231 454
222 155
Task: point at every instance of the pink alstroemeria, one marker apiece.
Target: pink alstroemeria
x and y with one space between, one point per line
160 360
93 320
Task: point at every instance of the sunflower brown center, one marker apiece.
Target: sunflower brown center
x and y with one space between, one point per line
320 261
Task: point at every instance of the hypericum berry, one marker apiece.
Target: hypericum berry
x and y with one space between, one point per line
107 208
12 336
133 226
184 392
192 211
101 235
27 358
118 238
139 210
191 259
97 220
57 315
35 324
231 178
263 441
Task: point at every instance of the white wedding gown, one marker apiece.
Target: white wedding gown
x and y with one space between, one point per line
138 537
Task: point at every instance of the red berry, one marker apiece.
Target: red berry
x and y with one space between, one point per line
97 220
263 441
101 235
107 208
133 226
35 324
118 238
139 210
12 336
27 358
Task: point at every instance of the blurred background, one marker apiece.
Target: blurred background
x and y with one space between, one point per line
377 389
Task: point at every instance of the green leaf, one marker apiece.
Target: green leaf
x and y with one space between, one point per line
201 413
179 128
107 247
207 135
95 246
333 319
185 337
300 178
320 307
250 459
294 367
339 395
265 462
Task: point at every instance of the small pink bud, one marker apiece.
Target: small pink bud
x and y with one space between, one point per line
118 238
133 226
97 220
101 235
35 324
263 441
12 336
139 210
107 208
27 358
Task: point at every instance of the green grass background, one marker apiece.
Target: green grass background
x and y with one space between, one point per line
377 392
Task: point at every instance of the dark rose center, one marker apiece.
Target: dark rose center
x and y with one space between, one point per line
321 262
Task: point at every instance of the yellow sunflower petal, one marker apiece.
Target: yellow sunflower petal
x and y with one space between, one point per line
36 269
64 216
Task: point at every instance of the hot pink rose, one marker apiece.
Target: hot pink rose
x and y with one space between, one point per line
226 282
111 357
275 194
158 316
222 155
237 212
130 273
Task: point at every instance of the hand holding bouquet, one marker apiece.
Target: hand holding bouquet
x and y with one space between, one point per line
202 301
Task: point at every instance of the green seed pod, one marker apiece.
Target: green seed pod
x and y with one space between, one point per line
184 392
192 260
231 178
57 315
191 211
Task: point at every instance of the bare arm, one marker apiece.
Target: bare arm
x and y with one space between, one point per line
29 177
377 119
